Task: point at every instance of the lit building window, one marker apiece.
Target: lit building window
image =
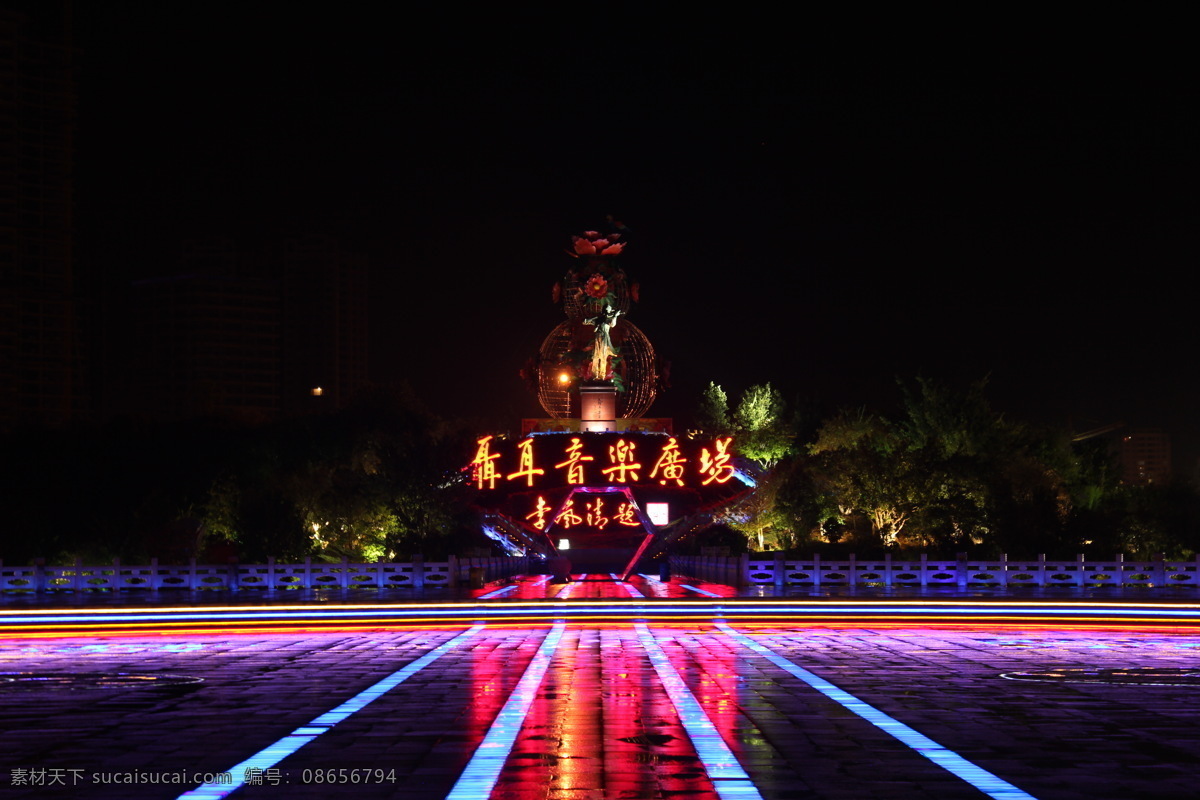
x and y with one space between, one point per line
317 391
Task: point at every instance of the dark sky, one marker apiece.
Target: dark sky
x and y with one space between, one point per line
824 210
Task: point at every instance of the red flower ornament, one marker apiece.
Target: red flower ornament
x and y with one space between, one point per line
596 286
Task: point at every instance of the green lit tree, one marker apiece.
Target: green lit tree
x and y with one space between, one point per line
763 433
712 416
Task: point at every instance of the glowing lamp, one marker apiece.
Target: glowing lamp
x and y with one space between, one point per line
659 513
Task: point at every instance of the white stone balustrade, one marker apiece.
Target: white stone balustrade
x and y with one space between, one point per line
272 576
962 571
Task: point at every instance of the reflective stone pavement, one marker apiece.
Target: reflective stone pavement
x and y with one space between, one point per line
1079 714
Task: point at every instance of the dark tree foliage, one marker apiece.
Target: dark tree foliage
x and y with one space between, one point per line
946 473
375 481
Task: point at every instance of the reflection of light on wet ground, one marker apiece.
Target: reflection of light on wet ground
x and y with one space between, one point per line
79 681
1121 677
624 708
981 779
273 753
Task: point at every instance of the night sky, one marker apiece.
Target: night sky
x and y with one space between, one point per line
821 209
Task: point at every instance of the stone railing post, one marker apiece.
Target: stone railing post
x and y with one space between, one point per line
780 569
418 571
852 573
39 575
1041 576
381 572
961 569
924 569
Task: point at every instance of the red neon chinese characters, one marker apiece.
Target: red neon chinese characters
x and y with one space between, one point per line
526 468
621 456
539 514
717 466
625 516
671 464
595 514
574 462
484 469
567 517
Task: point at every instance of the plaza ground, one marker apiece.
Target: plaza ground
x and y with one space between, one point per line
1049 711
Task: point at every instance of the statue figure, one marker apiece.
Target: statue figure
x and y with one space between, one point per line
602 347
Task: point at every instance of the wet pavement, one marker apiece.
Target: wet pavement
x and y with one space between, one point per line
621 709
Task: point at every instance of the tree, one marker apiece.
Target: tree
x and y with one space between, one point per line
949 473
764 434
862 466
713 413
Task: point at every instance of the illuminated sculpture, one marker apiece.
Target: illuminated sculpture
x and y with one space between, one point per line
602 347
597 344
598 476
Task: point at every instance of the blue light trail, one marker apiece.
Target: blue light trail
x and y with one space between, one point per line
978 777
479 778
272 754
729 779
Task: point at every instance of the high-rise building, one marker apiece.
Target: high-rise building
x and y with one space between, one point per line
1145 455
325 316
206 340
254 339
40 360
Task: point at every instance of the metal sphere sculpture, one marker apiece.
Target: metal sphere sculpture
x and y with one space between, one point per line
596 344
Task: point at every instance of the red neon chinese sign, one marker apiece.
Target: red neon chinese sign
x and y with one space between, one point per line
618 459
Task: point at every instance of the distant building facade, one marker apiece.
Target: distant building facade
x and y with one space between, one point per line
253 338
40 358
1145 455
206 340
325 318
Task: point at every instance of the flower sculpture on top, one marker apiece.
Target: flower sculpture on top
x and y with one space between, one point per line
592 244
599 283
596 343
